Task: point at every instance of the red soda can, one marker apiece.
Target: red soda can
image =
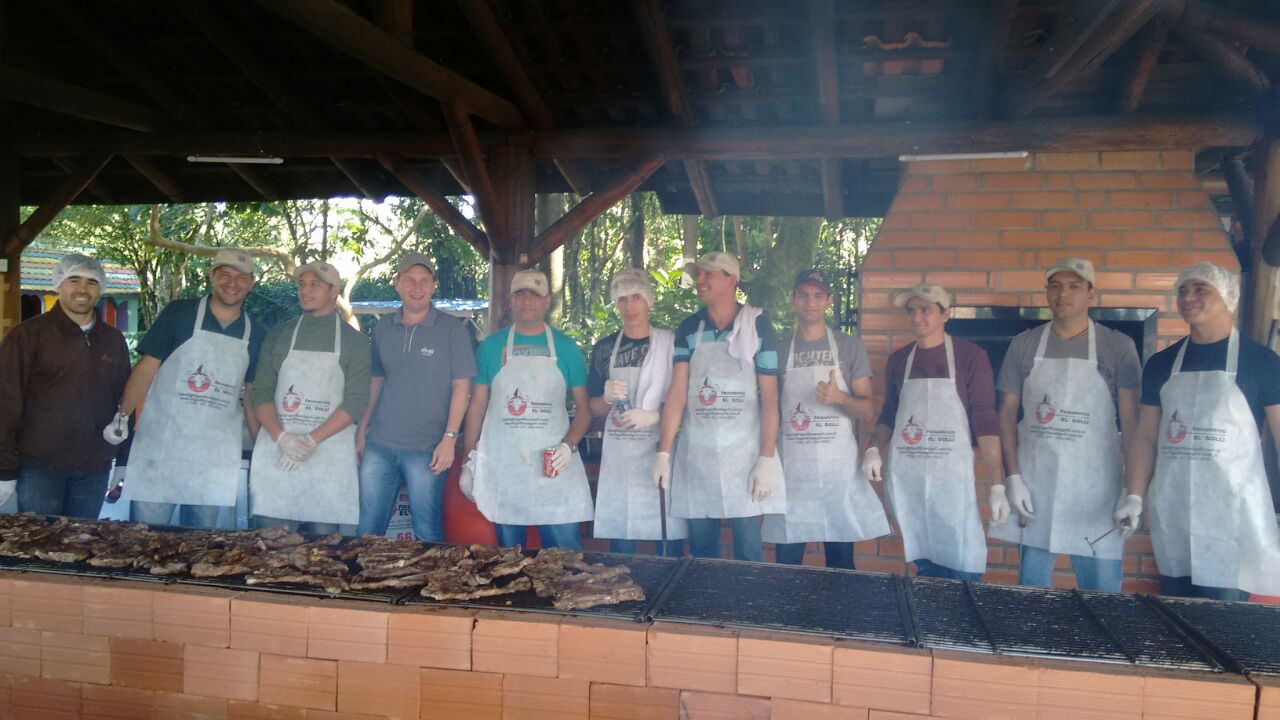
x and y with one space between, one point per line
548 464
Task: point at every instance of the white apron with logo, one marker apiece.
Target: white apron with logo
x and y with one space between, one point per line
828 499
626 500
720 440
1211 512
187 447
1070 457
930 473
324 489
526 416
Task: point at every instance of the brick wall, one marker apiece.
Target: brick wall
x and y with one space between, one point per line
985 229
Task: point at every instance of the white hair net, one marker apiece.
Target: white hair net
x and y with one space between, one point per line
631 281
1222 280
81 266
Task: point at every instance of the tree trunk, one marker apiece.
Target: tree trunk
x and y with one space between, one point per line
689 245
548 208
635 232
793 250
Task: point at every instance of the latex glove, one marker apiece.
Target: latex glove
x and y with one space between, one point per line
284 464
662 470
872 464
296 447
614 390
829 392
999 505
560 458
467 483
1020 495
1129 514
116 431
7 489
639 419
763 478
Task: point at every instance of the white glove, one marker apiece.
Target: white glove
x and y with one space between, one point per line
1129 514
763 478
284 464
872 464
116 431
639 419
467 483
1020 495
7 489
999 505
662 470
560 458
298 448
614 390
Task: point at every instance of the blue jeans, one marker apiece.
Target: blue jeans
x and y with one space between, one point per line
563 535
1091 573
675 548
929 568
381 471
157 513
838 554
58 492
704 538
1182 587
307 527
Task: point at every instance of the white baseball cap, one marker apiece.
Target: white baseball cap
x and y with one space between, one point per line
716 260
233 258
929 292
531 280
1222 280
1079 266
323 270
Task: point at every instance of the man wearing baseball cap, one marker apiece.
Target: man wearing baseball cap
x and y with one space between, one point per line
938 394
195 371
724 395
1205 402
61 375
1072 379
422 369
525 469
826 390
312 384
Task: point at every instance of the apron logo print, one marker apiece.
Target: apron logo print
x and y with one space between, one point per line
912 433
517 404
1176 431
199 381
800 419
1045 411
428 352
292 401
707 393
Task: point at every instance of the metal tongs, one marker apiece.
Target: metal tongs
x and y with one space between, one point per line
1122 525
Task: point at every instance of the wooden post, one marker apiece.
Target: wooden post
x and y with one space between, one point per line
10 280
513 184
1266 210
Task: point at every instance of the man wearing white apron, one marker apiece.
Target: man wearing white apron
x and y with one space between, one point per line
195 370
1205 400
518 415
724 391
826 389
311 385
939 393
631 367
1072 379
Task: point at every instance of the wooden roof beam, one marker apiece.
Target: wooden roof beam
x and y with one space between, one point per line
1150 43
822 26
1225 59
662 53
592 207
396 18
991 52
63 97
1249 30
156 176
95 186
343 29
57 200
437 202
471 157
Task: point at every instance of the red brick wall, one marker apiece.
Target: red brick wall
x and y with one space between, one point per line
985 229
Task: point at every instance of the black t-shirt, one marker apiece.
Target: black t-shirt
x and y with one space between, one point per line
1258 374
631 353
177 321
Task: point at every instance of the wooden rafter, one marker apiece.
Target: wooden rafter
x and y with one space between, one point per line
163 182
1249 30
437 202
822 23
1150 43
591 207
471 157
662 53
396 18
343 29
61 196
1224 58
95 186
63 97
991 53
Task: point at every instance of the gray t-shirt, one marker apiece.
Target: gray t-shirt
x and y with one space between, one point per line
1117 357
853 355
419 364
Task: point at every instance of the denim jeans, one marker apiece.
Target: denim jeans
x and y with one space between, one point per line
704 538
675 548
929 568
58 492
156 513
563 535
1182 587
381 471
1091 573
309 528
838 554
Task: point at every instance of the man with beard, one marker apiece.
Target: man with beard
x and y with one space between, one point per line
61 375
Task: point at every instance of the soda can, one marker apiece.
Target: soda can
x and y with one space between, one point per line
548 462
114 493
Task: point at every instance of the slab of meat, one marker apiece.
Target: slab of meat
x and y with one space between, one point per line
455 591
331 585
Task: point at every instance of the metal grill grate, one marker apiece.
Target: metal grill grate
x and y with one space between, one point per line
1247 633
1043 623
778 597
946 616
1143 633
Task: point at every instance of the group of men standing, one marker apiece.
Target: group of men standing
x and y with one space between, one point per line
718 420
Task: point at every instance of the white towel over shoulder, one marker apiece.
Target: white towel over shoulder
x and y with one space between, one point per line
743 338
655 371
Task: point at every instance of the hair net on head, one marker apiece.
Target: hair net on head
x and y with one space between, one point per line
1222 280
81 266
631 281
